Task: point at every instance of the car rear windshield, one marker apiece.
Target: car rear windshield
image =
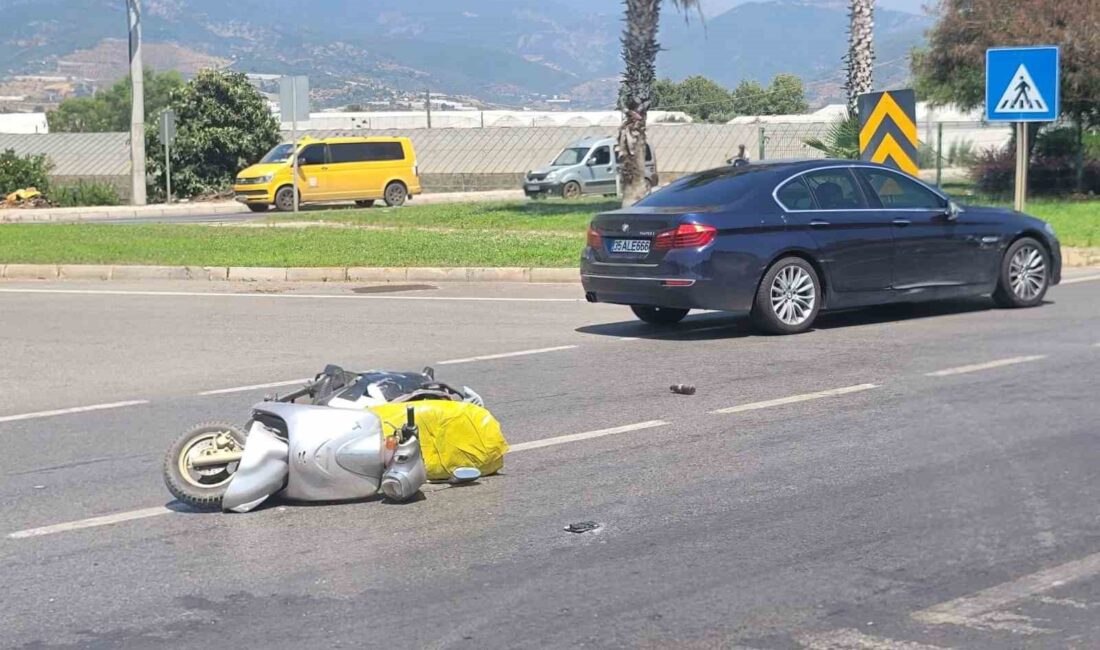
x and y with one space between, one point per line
714 187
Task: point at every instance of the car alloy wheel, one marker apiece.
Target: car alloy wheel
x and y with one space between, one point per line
1027 272
793 295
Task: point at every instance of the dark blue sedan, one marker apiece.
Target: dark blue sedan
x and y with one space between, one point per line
783 241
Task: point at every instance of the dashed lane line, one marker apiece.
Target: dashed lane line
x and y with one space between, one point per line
242 389
504 355
77 409
93 522
793 399
989 365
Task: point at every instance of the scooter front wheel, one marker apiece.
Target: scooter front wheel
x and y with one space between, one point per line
201 462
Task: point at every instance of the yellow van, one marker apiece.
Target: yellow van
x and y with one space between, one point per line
358 169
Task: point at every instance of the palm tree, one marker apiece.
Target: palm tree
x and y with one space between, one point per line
861 50
636 95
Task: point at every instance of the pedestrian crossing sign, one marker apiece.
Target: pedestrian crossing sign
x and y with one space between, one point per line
1021 84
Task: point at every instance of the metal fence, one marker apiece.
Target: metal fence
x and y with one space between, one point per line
471 159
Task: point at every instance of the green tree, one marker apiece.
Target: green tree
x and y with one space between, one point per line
223 125
952 68
786 96
707 101
109 110
697 96
639 52
749 98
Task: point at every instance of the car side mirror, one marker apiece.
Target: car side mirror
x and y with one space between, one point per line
591 162
952 211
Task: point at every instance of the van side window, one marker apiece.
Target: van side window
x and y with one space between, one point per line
366 152
314 154
601 156
648 153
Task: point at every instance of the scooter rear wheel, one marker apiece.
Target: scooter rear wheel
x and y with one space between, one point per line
202 488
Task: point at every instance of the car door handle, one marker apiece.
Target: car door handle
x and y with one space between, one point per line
902 222
818 223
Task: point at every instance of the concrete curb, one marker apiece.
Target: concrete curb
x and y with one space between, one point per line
44 215
293 274
1071 258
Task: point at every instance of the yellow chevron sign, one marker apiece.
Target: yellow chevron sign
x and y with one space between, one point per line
888 129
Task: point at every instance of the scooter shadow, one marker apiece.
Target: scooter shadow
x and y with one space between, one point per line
732 326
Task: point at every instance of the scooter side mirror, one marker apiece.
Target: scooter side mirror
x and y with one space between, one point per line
465 474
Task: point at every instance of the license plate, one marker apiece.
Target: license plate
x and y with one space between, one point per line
532 188
636 246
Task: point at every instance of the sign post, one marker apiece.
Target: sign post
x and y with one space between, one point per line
294 106
1021 86
167 134
888 129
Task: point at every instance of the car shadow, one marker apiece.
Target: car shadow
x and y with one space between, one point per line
726 326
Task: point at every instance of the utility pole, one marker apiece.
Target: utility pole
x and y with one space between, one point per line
428 105
137 110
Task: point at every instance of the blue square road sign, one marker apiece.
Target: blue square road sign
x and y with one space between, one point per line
1021 84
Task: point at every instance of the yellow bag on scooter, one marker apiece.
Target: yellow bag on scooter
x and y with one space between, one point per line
452 435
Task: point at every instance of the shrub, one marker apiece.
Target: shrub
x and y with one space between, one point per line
84 194
994 172
961 154
1056 141
19 172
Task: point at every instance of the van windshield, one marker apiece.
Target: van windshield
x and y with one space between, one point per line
570 156
281 153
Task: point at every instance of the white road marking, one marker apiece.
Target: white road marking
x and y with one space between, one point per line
504 355
307 296
91 523
848 639
980 609
1087 278
120 517
833 392
588 435
78 409
241 389
984 366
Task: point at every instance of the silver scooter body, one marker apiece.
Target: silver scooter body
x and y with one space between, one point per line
331 454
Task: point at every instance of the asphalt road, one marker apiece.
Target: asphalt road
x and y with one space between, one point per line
899 478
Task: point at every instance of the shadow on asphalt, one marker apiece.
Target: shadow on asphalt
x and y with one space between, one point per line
729 326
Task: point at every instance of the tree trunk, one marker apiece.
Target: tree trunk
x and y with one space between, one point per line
861 51
636 94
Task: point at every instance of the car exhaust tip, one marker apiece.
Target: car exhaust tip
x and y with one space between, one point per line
590 296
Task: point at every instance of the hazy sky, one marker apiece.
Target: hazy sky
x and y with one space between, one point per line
712 7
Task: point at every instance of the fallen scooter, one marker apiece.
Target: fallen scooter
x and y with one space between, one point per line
359 433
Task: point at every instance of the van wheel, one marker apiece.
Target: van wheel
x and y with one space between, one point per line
369 203
571 190
284 199
396 194
258 207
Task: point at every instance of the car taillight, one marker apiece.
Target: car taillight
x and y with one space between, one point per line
686 235
594 238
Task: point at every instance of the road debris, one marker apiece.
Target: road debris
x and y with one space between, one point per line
582 527
682 389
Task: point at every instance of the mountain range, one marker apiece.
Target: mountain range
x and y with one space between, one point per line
501 51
